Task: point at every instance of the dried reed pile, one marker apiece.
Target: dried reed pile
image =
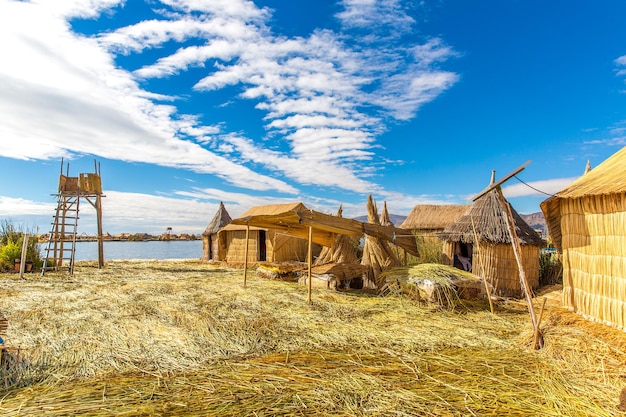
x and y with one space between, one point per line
343 250
186 339
378 254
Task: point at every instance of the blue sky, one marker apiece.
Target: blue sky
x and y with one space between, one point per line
186 103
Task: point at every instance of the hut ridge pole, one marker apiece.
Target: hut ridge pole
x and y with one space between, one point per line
510 223
309 256
245 260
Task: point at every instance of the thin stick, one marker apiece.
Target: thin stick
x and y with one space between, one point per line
510 222
309 263
538 339
23 258
245 260
482 272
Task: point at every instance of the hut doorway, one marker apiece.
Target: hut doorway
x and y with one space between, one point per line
463 256
262 246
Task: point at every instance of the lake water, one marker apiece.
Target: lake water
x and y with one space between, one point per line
153 249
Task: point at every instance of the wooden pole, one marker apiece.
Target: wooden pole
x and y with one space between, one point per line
23 258
538 340
510 223
309 256
100 237
480 263
245 261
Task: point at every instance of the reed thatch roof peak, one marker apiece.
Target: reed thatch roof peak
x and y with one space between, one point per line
609 177
486 220
433 216
219 221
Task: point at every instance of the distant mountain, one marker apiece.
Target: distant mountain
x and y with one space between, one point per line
396 219
537 222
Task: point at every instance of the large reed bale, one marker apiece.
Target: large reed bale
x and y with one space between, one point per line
343 250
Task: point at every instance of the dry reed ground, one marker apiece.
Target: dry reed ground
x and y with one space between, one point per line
185 338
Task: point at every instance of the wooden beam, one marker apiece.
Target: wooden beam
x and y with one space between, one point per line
501 181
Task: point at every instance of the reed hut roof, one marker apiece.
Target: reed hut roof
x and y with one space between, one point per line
295 219
220 220
607 178
485 216
432 216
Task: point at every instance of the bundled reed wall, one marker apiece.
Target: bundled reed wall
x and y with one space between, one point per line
236 244
497 264
593 230
289 248
278 247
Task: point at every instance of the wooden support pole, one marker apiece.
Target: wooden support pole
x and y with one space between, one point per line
537 339
480 264
245 260
23 258
510 223
100 237
309 261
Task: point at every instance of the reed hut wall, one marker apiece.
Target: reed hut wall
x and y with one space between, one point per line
496 263
593 239
214 247
587 224
264 246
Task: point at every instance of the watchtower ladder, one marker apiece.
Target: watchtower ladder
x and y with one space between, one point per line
61 248
60 251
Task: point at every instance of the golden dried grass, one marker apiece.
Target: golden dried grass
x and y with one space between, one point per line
186 339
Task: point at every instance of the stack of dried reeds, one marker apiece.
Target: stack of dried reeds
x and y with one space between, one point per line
343 251
377 253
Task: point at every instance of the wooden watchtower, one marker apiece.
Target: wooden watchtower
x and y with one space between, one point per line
61 247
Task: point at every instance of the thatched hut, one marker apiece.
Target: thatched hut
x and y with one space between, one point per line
479 241
265 244
587 224
214 249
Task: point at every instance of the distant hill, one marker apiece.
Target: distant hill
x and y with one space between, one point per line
537 222
396 219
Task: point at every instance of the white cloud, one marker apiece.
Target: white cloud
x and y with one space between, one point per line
62 93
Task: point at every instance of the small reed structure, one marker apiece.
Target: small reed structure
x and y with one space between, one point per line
214 248
481 236
587 224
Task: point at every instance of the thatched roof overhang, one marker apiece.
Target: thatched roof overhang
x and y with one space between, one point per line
485 220
608 178
295 219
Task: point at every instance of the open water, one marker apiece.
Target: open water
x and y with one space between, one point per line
153 249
